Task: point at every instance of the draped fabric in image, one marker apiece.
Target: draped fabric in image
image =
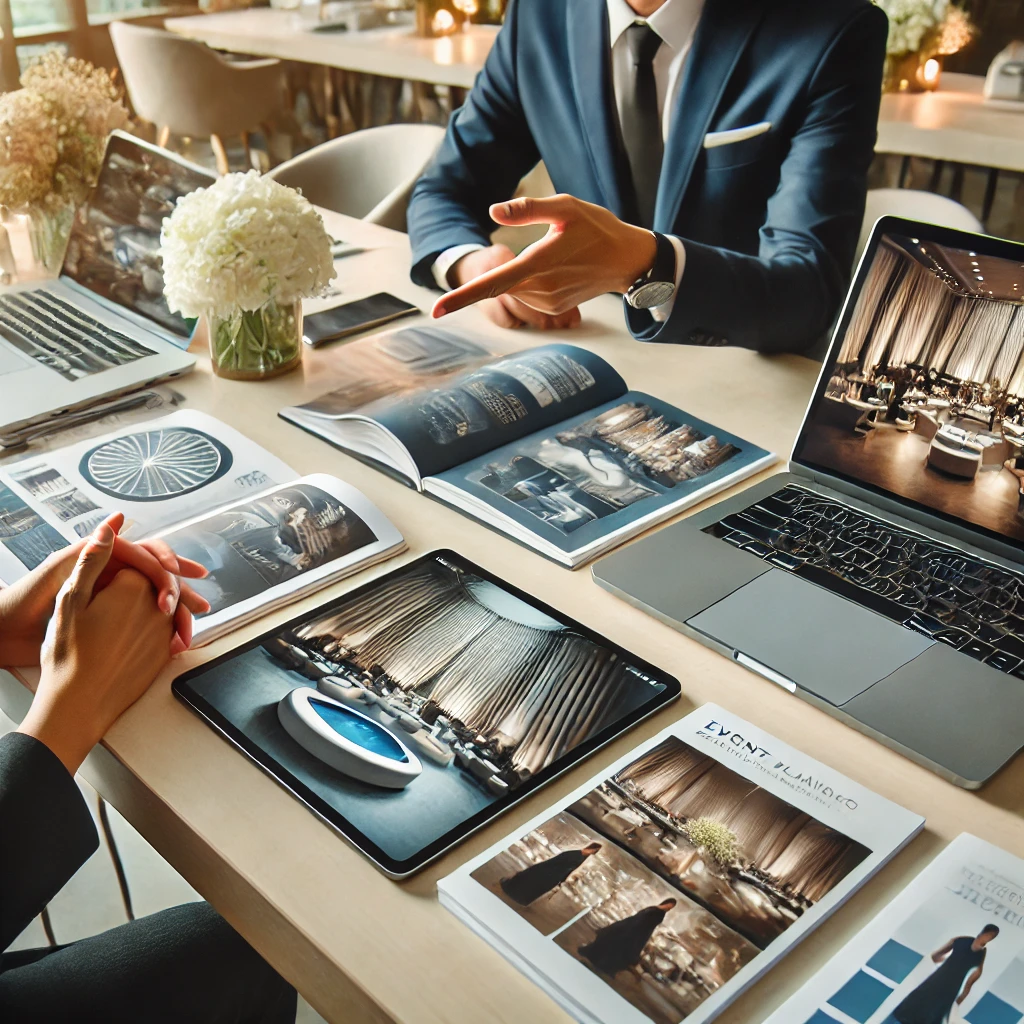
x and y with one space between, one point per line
906 314
779 839
537 689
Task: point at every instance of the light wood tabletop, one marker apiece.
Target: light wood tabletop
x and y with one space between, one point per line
362 948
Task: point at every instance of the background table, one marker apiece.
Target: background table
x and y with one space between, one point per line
393 52
360 947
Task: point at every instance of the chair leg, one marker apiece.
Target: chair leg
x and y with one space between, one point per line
220 153
164 136
248 150
990 194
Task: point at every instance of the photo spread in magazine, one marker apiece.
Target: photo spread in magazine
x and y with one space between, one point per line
547 445
949 949
219 494
661 889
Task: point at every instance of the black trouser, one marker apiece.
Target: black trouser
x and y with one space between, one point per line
185 965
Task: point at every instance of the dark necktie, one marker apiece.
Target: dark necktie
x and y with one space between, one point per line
641 125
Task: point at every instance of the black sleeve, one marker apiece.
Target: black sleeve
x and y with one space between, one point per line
46 831
786 297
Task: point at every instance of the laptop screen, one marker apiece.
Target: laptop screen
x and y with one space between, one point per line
116 234
923 393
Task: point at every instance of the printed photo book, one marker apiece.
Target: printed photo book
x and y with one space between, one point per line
948 949
665 886
266 537
547 445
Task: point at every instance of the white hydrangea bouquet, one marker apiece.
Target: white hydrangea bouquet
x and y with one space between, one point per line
244 253
919 30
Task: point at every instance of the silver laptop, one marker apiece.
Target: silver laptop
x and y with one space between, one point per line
103 328
882 577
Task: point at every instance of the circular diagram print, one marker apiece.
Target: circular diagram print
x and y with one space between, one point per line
155 464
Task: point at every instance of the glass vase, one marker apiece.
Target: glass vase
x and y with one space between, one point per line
254 345
37 238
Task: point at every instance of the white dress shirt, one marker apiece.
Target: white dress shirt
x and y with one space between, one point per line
675 21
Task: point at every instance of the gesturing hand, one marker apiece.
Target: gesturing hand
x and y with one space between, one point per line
26 606
506 310
586 252
102 650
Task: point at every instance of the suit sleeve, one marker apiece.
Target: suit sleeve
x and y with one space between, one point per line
786 297
46 831
486 151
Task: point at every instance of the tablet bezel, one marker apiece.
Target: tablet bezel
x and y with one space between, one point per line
390 866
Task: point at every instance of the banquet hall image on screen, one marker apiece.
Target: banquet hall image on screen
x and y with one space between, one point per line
926 397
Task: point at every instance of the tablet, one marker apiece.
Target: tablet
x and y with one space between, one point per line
491 692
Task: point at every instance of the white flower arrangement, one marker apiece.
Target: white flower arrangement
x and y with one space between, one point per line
241 242
915 25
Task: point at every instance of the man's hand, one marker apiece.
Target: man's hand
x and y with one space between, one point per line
506 310
102 650
26 606
586 252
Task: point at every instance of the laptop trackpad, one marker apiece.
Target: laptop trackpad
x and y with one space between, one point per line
828 646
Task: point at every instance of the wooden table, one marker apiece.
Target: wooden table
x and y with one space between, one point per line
391 52
360 947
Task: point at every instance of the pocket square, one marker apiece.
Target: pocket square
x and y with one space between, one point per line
714 139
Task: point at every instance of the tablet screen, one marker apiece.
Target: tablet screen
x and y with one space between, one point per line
492 692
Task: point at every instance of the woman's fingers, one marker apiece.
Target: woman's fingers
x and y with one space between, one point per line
182 639
173 562
141 558
194 602
92 560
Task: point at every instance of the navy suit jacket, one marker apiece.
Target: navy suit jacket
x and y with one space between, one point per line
770 224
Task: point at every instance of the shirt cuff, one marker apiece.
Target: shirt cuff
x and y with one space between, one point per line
448 259
664 311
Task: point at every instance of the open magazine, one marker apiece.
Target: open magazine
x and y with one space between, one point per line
266 537
949 949
666 885
547 445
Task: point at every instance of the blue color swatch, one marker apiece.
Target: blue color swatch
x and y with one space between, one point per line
991 1009
894 961
861 996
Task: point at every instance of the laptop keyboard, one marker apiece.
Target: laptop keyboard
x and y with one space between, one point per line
952 597
64 337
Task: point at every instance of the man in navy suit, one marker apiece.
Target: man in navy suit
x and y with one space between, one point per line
712 157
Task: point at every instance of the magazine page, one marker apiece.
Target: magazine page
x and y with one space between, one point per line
663 887
480 408
264 550
157 473
948 949
607 472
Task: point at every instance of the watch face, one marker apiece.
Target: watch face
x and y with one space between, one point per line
654 293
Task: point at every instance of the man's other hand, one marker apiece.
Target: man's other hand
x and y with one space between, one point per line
586 252
506 310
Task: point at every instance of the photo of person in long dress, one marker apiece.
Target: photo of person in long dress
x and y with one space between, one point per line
618 946
533 882
961 958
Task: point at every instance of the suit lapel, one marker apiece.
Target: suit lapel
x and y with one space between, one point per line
590 69
722 33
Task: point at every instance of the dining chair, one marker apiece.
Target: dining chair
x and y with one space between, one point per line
367 174
914 204
188 89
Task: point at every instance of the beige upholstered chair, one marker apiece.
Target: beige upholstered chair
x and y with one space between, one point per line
367 174
913 205
188 89
926 425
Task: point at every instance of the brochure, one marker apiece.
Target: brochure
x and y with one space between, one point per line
665 886
949 949
266 537
546 445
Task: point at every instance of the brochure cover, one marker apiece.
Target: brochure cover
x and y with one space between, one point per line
948 950
665 886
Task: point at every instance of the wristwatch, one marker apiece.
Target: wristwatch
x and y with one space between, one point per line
658 285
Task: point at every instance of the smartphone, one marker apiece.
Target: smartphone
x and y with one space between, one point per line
353 317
